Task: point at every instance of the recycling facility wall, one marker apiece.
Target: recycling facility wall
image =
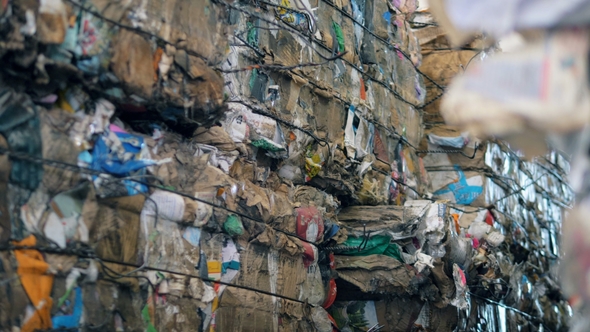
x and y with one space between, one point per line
257 166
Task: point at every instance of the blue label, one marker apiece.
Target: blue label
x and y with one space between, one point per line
463 192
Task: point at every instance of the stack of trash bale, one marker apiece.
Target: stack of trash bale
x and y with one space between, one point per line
180 166
536 93
253 166
506 212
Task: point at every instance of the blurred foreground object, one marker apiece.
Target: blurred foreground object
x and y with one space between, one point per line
462 19
540 88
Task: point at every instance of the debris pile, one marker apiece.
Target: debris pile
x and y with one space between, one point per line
257 166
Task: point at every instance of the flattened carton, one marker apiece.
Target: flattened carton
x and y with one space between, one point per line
244 310
461 178
271 270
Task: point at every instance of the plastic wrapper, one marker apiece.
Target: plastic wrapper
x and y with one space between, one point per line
453 142
433 230
358 134
461 299
233 226
379 244
310 224
161 231
419 260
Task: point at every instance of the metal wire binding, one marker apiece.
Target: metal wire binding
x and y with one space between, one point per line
359 248
376 328
451 151
341 248
76 168
439 151
363 244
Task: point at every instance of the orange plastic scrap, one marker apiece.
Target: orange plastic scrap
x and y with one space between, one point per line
456 221
363 92
156 63
32 270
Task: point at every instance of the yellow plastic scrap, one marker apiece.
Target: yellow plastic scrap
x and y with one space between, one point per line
370 192
214 269
408 157
313 165
284 3
62 102
32 270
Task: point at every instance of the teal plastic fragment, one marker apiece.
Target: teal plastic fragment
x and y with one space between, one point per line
232 265
376 245
253 79
266 145
252 35
233 225
145 314
339 36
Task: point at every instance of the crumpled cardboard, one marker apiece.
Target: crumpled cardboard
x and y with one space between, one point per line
161 232
114 225
243 310
374 19
183 169
243 169
132 62
281 211
398 314
442 67
272 270
255 197
208 183
178 314
306 195
395 221
203 90
52 22
180 26
272 238
444 283
375 273
61 149
215 136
